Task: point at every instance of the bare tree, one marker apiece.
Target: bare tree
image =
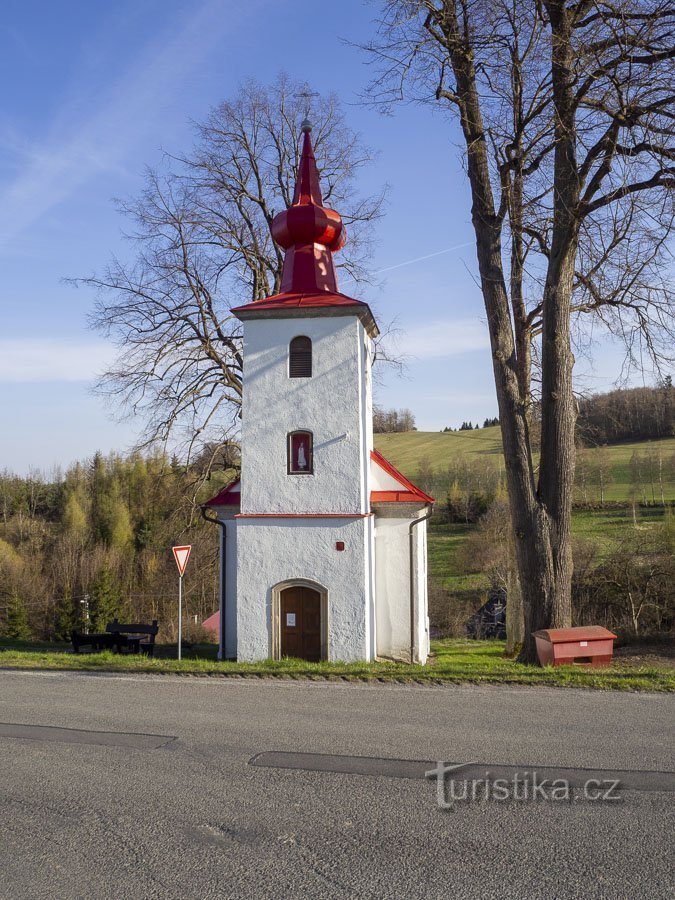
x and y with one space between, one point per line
202 244
566 113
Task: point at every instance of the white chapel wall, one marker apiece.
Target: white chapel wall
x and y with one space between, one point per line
332 404
392 587
273 551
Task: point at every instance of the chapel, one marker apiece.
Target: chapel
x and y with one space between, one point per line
323 542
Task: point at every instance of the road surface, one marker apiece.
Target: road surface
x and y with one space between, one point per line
169 787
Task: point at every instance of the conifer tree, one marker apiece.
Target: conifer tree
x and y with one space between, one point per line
105 601
66 618
16 622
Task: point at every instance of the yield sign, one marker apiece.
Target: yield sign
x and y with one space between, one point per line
181 555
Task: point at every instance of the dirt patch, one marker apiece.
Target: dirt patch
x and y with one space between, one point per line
648 655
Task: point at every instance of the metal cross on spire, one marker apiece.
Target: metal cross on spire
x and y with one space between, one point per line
307 95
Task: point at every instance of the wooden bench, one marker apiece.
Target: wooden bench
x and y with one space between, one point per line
95 640
120 636
134 636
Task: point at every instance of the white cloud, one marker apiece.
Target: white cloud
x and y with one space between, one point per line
446 337
79 147
50 360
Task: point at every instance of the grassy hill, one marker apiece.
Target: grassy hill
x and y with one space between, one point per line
406 450
456 589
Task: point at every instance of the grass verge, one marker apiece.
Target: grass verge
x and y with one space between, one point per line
452 661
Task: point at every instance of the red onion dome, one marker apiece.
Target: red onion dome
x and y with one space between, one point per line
308 231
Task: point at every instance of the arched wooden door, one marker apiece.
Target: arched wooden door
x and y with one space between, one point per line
301 623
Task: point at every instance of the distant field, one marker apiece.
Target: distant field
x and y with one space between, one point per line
406 450
448 564
446 544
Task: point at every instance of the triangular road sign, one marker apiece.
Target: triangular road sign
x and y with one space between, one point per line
181 555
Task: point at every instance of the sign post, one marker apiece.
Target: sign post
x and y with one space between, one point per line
181 555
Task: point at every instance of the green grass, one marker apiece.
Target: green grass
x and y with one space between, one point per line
445 544
406 450
605 527
608 526
453 661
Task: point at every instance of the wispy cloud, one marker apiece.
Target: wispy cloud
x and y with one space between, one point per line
79 146
49 360
446 337
410 262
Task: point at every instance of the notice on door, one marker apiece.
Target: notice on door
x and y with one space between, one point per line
290 620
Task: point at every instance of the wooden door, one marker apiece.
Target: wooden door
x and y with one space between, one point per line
301 623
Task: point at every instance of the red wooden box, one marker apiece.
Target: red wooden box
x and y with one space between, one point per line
590 645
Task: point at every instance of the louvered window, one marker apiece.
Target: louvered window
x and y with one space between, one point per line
300 358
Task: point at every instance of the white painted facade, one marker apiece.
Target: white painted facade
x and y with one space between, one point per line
286 528
334 404
339 545
393 609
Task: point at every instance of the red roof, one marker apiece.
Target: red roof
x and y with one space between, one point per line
212 623
409 492
301 301
229 496
310 233
293 304
398 497
404 491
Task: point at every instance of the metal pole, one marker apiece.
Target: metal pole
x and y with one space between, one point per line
180 614
222 603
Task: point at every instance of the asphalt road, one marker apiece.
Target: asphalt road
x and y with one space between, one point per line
144 787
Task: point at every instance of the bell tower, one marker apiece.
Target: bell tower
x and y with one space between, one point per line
305 519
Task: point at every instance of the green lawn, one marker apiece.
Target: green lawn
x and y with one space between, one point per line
605 527
453 661
445 544
406 450
608 526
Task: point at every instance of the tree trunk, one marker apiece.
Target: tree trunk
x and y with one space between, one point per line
558 407
515 625
534 555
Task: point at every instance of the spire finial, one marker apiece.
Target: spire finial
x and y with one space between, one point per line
308 231
306 94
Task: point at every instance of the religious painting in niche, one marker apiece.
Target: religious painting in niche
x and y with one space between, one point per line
300 453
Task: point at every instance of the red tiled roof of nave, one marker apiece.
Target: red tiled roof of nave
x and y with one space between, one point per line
410 493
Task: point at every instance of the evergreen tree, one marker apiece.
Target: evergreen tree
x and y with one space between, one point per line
16 622
67 617
105 602
121 532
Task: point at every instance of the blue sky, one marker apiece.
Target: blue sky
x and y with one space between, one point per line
94 94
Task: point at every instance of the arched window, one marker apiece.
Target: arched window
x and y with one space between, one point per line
300 357
300 456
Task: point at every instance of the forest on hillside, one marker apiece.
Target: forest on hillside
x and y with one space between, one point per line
99 537
628 414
